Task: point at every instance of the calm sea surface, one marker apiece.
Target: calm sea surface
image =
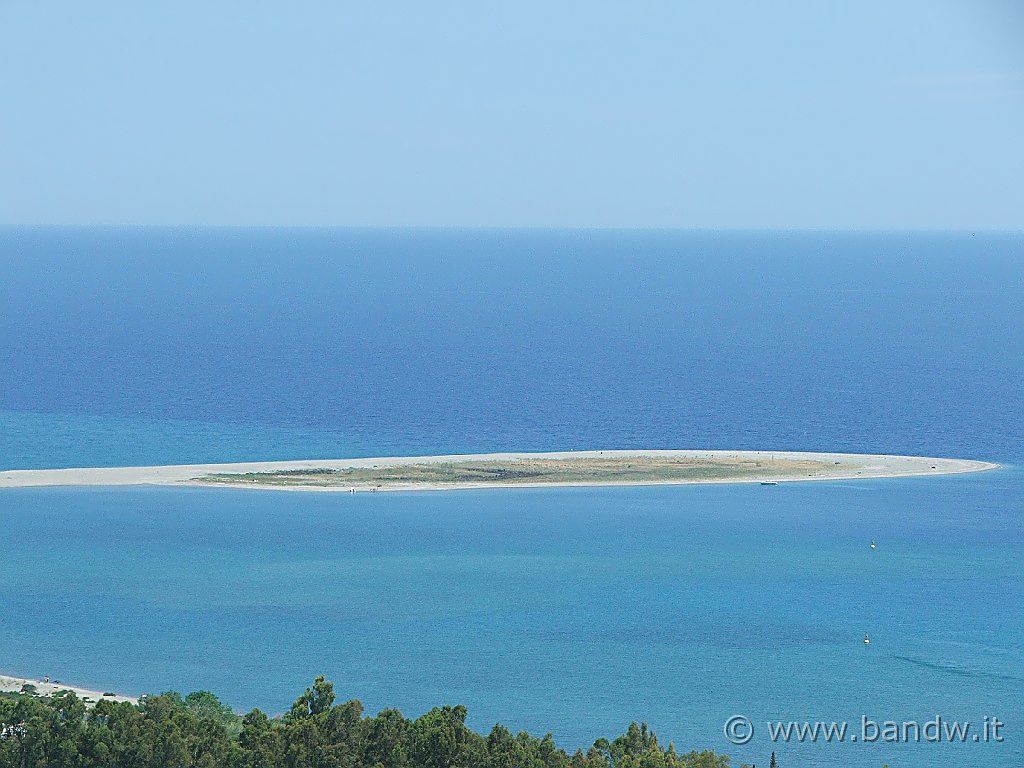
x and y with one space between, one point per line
570 610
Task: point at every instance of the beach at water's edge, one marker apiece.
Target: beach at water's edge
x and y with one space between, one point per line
49 688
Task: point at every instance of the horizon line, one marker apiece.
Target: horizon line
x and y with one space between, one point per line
520 228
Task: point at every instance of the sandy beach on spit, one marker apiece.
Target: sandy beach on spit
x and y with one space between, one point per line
14 685
840 466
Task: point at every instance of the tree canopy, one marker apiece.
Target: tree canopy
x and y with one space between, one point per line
169 731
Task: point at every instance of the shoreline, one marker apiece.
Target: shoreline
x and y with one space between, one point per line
11 684
770 467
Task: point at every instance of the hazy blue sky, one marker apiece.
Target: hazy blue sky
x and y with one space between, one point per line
860 114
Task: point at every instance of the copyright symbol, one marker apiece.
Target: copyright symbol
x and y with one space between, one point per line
738 729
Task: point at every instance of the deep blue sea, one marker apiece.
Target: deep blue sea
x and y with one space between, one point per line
569 610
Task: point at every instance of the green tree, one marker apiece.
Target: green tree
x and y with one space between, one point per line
385 740
314 701
439 738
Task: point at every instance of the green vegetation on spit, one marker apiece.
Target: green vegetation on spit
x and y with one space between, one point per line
531 471
198 731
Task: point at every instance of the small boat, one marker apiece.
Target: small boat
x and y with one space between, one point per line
867 640
768 482
873 545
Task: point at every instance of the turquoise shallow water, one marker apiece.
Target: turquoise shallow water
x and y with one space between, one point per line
574 610
570 610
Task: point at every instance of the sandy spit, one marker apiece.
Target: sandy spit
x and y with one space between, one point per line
844 466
